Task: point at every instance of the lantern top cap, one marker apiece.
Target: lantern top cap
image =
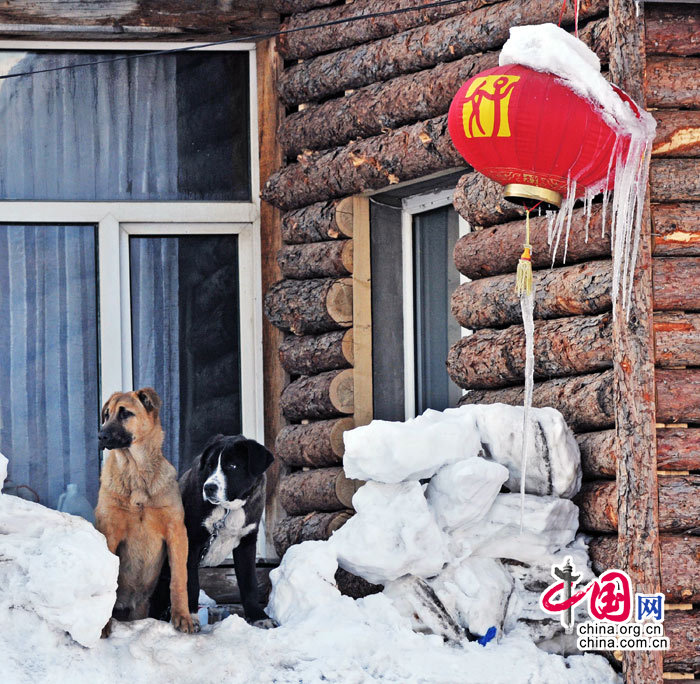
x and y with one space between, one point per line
549 48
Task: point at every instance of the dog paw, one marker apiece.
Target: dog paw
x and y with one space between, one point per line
267 623
107 629
185 622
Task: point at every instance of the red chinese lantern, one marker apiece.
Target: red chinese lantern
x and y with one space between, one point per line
529 132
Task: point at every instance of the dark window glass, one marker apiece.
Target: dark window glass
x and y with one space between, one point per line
49 402
169 127
185 332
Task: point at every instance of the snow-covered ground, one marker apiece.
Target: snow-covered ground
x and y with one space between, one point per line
57 579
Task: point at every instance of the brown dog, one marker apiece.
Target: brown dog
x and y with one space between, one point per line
139 508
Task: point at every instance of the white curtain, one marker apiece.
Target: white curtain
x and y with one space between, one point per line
49 408
155 329
99 132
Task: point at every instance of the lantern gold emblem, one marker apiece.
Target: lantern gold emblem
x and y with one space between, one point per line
485 109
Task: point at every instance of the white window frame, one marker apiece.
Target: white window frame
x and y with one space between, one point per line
115 221
410 206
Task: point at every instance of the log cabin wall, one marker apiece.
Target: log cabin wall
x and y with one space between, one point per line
366 107
574 328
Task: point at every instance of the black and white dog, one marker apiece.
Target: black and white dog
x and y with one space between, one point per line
223 494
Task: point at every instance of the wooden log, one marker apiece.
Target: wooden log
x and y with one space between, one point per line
420 48
315 444
319 396
354 586
682 627
676 449
571 290
675 180
310 306
679 505
672 29
313 526
380 106
479 201
320 221
585 401
309 354
316 259
221 584
676 229
677 284
566 346
296 6
677 339
319 489
497 249
677 133
680 564
306 44
404 154
678 395
673 82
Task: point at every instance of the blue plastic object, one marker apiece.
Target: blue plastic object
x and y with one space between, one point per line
490 634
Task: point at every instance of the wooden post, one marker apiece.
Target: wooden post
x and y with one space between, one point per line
270 114
633 350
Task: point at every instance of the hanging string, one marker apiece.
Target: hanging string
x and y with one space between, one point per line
523 276
561 15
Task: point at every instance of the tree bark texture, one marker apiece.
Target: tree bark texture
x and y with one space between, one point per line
354 586
677 133
325 395
316 259
675 180
319 489
676 229
682 627
585 401
677 284
316 444
680 564
479 201
306 44
420 48
677 449
296 6
672 30
310 306
676 339
679 505
321 221
380 106
673 82
310 354
492 302
497 249
404 154
565 346
313 526
678 395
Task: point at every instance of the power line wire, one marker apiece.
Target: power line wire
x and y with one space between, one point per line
243 39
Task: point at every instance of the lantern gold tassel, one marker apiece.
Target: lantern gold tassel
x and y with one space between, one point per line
523 278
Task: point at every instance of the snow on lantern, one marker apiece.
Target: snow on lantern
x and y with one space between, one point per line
547 126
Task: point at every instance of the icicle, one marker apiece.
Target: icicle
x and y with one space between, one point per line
527 306
551 216
587 207
564 217
569 209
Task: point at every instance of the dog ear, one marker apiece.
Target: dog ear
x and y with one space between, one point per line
259 458
149 398
212 443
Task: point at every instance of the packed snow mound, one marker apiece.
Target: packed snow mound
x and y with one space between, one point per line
55 566
392 452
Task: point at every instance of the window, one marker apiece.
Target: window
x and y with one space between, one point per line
413 277
102 292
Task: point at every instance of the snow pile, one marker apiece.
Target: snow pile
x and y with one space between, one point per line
55 566
450 553
550 49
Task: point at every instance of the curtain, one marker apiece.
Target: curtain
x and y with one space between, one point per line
49 404
93 133
155 329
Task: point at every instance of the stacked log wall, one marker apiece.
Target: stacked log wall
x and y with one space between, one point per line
573 331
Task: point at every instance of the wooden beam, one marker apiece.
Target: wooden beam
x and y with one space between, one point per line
270 114
633 351
362 313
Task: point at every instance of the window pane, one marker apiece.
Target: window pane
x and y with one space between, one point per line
185 331
49 405
435 278
170 127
